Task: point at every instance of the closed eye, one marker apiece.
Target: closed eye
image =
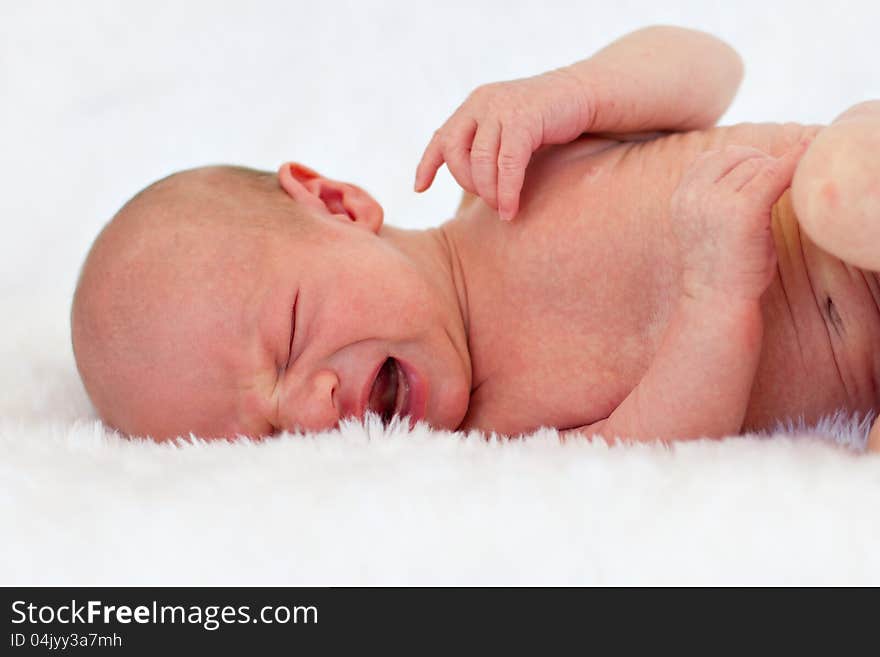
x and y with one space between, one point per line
292 331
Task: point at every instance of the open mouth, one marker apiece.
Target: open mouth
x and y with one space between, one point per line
390 393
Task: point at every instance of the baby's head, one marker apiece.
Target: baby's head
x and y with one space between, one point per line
225 301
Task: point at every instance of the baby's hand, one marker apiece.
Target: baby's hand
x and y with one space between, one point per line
488 142
721 221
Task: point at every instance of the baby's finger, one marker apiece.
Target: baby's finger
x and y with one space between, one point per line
775 177
431 160
457 152
484 161
513 158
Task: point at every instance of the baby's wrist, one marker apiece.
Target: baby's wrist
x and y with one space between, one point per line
580 90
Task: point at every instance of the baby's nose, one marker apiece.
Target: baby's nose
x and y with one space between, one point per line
315 409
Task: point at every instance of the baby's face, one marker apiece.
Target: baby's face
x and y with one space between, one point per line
286 330
337 322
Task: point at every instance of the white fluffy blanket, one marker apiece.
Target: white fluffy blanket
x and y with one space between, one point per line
107 97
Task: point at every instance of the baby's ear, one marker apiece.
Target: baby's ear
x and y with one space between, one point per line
342 200
295 179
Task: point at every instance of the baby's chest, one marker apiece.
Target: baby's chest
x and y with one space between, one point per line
577 334
585 281
561 381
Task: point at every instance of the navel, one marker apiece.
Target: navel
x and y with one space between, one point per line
834 317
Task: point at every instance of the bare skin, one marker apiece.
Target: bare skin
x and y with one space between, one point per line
222 308
555 319
604 241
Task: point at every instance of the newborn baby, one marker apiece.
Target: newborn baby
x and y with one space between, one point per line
661 278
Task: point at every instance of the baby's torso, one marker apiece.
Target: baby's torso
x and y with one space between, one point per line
586 278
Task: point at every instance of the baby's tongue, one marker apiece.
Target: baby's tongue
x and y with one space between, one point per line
384 392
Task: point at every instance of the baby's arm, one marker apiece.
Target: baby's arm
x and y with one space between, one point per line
659 78
701 378
655 79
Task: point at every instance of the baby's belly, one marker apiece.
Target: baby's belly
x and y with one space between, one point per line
821 331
